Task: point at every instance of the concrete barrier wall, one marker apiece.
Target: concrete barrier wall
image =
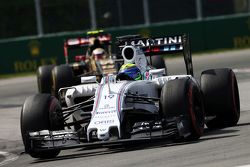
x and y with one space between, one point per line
26 54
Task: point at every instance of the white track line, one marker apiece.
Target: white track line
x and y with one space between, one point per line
244 165
9 157
241 70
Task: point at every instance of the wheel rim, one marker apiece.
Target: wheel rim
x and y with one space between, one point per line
196 110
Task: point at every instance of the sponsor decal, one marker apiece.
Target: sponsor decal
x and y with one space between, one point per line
155 41
107 102
34 47
241 41
106 107
104 122
105 112
32 65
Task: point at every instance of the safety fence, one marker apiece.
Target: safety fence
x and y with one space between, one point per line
26 54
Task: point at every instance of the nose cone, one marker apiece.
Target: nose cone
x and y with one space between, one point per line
103 134
107 110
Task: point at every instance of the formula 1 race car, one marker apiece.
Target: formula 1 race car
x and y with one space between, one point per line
95 59
98 61
117 110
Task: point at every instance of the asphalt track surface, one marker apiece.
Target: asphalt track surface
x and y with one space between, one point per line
229 147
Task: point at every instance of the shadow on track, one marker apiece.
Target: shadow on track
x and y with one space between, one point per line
208 132
244 124
142 145
114 149
151 144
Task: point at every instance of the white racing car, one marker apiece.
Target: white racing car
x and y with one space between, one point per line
117 110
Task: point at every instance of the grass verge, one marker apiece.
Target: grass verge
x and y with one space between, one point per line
6 76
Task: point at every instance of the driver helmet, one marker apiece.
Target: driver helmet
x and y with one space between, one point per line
129 72
98 53
94 43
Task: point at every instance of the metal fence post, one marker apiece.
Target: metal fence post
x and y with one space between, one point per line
92 14
39 22
198 9
119 3
146 12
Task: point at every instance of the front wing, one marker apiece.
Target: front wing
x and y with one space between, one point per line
68 139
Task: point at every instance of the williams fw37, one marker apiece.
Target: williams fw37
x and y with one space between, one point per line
118 110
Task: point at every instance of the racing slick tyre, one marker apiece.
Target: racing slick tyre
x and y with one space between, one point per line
181 98
62 76
40 112
157 62
221 95
44 78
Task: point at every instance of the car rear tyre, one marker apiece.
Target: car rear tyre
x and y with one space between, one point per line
157 62
62 76
221 95
182 97
44 78
40 112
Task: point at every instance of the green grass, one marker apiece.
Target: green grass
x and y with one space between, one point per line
6 76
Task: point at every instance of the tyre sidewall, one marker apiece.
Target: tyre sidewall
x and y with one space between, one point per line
221 95
62 76
44 78
35 116
177 99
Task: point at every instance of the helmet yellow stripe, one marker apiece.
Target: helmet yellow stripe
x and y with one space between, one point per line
127 66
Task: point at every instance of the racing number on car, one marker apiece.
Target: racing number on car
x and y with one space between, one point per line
109 96
109 102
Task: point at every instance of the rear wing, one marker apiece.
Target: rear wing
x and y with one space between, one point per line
159 46
81 42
